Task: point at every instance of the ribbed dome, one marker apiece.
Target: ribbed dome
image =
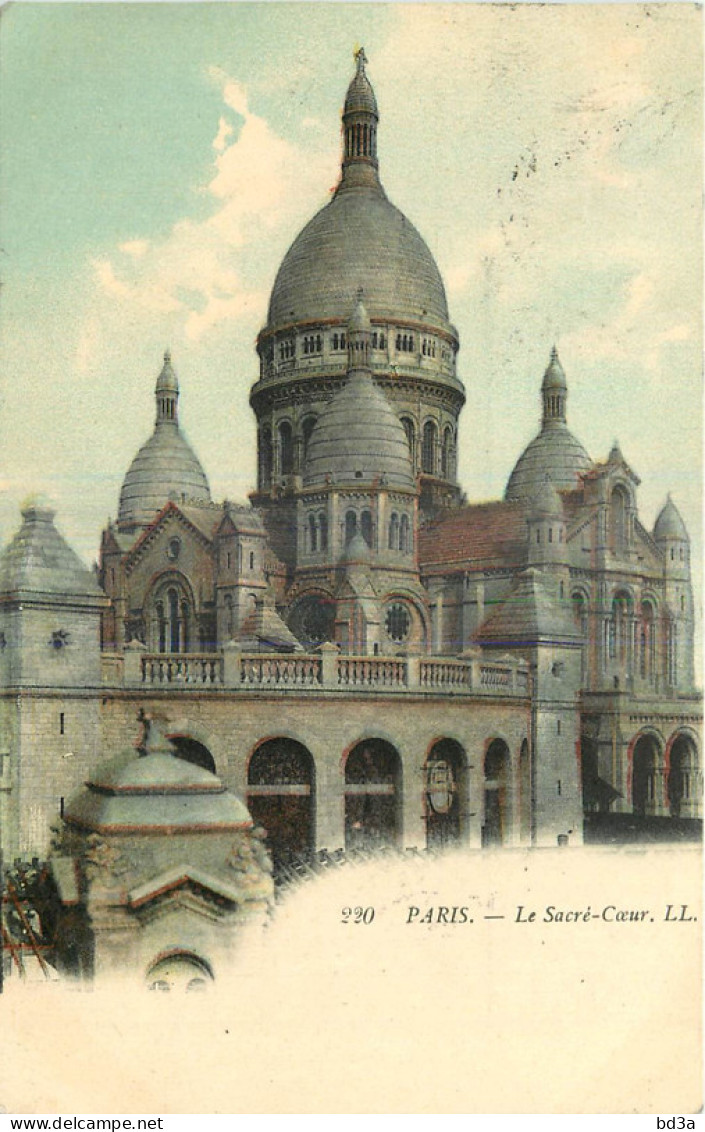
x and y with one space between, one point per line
358 240
358 439
670 524
166 467
555 453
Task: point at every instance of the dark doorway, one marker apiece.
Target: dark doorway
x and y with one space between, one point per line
496 825
644 762
280 796
445 795
373 780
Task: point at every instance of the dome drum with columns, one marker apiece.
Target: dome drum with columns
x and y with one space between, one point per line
359 240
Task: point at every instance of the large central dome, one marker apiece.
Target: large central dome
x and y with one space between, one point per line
358 239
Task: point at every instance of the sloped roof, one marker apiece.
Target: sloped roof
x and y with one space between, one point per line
483 532
528 614
38 560
265 626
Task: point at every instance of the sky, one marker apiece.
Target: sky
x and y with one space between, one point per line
160 158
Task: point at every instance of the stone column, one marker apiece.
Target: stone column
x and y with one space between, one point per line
413 821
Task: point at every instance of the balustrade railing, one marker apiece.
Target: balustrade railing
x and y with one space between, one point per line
445 674
494 676
328 669
280 671
371 671
183 668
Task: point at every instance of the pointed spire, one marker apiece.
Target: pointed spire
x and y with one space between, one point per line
554 391
360 118
167 393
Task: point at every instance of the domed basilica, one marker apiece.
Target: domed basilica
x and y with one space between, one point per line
358 654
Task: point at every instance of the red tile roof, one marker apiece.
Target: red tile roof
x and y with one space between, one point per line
487 533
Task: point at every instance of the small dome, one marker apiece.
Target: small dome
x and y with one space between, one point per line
359 440
360 96
165 467
357 550
156 791
669 524
554 377
547 501
167 382
555 453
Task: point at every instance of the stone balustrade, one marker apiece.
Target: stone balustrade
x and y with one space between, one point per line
326 669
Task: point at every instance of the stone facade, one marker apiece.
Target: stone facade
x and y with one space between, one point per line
360 657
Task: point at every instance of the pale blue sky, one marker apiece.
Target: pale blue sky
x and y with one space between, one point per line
159 159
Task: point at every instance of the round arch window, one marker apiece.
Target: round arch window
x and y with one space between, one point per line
173 550
397 622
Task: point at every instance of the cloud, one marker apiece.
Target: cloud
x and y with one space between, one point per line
209 271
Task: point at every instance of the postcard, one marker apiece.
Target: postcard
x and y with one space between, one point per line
351 547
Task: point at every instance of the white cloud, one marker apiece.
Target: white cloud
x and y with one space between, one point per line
209 271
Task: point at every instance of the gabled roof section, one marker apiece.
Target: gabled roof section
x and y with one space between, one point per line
38 561
200 521
529 615
239 518
490 534
181 876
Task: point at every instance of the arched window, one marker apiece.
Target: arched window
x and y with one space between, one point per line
265 458
683 778
646 641
173 606
428 448
405 534
350 526
286 449
580 612
618 637
394 531
323 530
312 533
366 527
410 430
229 626
619 521
447 452
161 626
645 760
306 430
